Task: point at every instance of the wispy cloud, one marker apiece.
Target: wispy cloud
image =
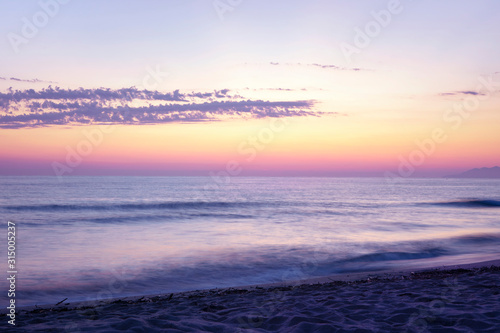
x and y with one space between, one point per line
54 106
24 80
334 67
276 89
461 93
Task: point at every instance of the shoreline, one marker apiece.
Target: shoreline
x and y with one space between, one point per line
267 307
346 277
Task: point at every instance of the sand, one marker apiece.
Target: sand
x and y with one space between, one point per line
456 299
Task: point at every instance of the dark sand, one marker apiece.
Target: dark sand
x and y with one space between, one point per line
465 299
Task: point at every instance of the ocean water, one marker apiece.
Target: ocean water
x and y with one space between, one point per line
89 238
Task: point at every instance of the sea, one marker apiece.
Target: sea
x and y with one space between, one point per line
94 238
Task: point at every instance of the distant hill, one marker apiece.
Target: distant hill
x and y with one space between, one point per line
479 173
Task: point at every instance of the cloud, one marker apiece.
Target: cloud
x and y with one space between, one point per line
106 94
273 89
280 89
285 89
48 107
24 80
334 67
460 93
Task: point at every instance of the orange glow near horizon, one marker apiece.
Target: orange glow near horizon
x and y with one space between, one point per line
331 144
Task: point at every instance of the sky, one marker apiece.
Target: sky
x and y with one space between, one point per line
236 87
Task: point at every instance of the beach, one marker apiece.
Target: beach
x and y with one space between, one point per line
462 298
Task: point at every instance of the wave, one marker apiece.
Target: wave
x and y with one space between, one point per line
471 203
173 205
132 206
478 239
233 269
390 256
258 266
162 218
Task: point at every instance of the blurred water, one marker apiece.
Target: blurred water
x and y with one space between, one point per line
98 237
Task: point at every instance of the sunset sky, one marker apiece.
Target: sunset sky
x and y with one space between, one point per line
310 88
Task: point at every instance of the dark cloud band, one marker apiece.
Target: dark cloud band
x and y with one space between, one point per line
94 106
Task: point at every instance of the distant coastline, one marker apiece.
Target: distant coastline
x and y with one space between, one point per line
493 172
